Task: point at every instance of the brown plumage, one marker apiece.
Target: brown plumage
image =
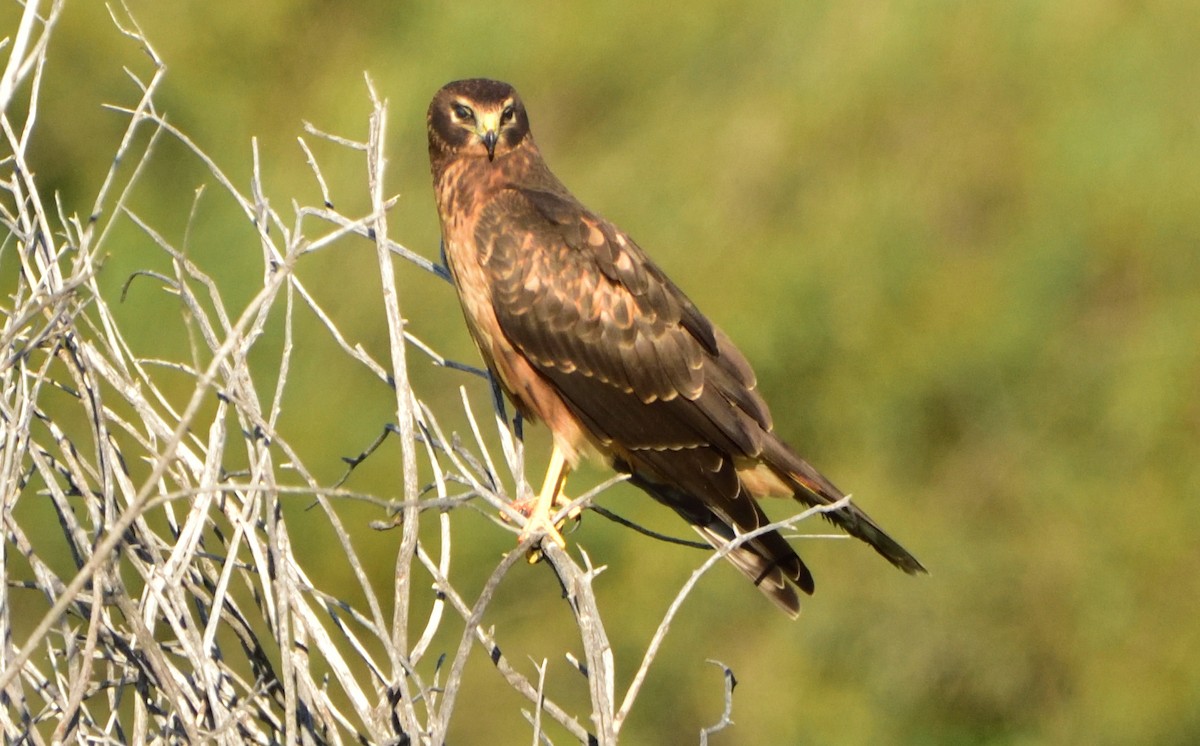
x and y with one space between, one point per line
586 334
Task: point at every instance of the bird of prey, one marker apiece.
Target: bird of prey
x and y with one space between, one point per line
587 335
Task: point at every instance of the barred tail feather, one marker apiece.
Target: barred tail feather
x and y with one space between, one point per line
810 487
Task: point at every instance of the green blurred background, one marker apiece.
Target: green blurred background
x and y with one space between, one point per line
960 242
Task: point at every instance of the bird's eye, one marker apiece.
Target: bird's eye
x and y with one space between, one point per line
507 115
463 112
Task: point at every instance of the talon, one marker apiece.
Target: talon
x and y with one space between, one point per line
541 525
537 515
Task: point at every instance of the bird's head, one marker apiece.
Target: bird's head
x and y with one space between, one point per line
477 117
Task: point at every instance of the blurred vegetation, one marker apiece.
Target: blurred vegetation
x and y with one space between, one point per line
960 242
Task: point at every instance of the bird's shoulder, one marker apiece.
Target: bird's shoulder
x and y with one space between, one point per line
548 246
588 307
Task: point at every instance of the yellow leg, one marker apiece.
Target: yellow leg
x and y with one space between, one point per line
540 518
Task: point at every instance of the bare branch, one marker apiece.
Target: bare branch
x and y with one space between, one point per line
171 600
661 633
726 713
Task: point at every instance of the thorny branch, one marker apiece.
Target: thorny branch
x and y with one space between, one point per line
183 608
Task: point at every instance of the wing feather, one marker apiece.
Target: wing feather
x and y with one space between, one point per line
583 302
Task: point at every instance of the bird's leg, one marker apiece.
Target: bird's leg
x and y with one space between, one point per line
539 518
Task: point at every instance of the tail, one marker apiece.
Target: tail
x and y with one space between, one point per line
811 487
767 560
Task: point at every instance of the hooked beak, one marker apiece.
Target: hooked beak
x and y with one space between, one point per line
489 141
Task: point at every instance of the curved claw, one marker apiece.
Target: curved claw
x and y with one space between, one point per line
539 519
542 524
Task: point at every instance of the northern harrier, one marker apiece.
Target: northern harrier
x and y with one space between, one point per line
586 334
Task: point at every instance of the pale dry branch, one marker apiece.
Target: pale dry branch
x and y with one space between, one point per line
174 602
726 719
664 626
